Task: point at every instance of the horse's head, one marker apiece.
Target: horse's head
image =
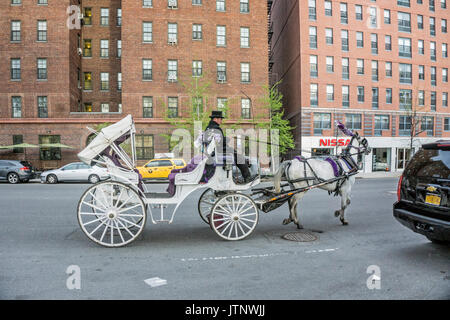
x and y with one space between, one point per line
363 145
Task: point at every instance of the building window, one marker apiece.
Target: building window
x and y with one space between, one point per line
444 99
245 108
42 69
433 76
222 104
404 3
119 81
432 26
87 17
345 69
15 31
104 16
433 51
328 8
387 43
15 69
147 32
329 36
220 5
329 64
147 70
147 3
314 94
427 124
42 103
421 98
420 46
87 48
313 37
17 139
373 17
49 153
104 81
245 72
144 147
360 93
42 30
374 98
322 121
147 107
404 125
172 33
388 68
404 21
88 107
420 22
172 4
196 2
119 48
197 70
312 9
381 123
119 17
221 36
88 81
431 5
16 104
387 16
221 71
344 14
374 43
446 124
313 70
16 2
405 99
344 40
104 48
244 6
444 50
374 70
405 72
444 74
404 47
104 107
173 107
389 95
42 1
433 100
444 25
359 39
197 32
172 70
444 4
345 96
330 92
245 37
358 12
360 66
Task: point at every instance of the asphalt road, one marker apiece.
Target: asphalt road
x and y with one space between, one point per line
40 238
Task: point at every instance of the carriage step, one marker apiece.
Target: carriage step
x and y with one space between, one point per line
158 195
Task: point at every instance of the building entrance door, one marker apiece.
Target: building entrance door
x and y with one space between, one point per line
381 159
403 155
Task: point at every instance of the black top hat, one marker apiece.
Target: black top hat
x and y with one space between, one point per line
216 114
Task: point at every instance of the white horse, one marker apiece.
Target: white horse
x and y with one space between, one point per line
306 172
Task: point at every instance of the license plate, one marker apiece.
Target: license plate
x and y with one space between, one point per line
433 199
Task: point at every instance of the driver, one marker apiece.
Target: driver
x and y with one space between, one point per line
239 160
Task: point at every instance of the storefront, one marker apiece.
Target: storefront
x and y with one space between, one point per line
388 154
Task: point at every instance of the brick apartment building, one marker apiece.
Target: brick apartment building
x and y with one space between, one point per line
68 64
363 63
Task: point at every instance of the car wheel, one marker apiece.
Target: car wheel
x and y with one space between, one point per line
437 241
93 178
13 178
51 178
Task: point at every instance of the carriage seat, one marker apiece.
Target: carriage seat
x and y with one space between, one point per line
190 172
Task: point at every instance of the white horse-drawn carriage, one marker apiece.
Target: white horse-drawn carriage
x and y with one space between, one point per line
113 213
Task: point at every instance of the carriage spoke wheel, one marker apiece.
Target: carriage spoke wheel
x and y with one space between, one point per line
111 214
234 216
205 204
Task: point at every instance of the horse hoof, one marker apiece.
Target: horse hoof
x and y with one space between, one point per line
344 222
337 213
299 226
286 221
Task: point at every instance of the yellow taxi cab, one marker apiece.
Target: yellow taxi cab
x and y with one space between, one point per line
160 168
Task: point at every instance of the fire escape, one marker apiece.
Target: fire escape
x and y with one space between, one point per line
270 33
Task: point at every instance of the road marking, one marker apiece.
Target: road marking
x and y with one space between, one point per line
255 255
155 282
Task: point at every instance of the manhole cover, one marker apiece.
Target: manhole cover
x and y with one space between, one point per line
303 236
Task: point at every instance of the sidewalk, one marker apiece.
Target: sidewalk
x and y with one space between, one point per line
378 174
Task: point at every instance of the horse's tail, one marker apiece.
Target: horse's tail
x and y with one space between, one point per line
277 176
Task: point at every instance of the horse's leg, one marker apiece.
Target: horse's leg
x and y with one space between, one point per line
293 216
345 201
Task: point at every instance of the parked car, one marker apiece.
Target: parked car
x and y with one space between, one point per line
76 171
15 171
424 193
160 168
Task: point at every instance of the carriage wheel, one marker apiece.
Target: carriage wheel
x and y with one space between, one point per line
234 216
118 217
205 204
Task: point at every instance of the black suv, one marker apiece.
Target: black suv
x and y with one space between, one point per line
15 171
424 193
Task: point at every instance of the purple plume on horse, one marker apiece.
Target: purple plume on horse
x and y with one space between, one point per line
341 127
